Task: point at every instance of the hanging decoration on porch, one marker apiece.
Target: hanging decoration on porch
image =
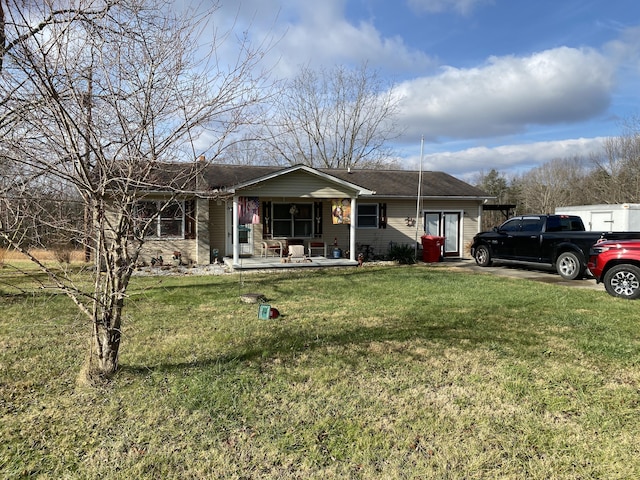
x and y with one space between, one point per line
248 210
341 211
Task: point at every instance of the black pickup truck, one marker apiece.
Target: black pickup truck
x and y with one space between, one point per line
554 241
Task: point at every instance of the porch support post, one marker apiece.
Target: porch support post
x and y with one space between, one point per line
235 231
352 229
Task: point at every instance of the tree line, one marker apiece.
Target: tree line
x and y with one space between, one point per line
611 176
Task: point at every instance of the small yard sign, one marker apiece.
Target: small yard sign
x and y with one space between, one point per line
263 311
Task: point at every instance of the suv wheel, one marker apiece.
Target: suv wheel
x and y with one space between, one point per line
483 256
569 266
623 281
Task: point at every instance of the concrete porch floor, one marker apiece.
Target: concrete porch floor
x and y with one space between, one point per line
255 262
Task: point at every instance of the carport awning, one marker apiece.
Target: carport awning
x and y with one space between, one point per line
505 208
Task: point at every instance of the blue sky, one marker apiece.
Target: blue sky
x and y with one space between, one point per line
504 84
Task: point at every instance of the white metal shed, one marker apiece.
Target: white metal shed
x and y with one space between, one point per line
606 218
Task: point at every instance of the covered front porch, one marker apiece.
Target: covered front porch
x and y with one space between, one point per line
260 263
296 207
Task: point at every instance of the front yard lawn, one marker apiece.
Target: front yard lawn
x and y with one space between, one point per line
377 372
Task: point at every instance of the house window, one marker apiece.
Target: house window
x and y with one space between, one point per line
167 222
367 215
292 220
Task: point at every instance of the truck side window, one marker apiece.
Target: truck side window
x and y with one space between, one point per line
531 225
511 225
553 224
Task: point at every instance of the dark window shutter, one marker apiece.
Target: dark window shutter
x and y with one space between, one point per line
266 219
190 219
317 218
382 215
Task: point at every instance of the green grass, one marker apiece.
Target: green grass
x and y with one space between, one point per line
379 372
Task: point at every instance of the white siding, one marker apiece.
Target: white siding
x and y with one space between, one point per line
399 232
298 185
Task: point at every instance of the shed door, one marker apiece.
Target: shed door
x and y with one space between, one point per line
601 222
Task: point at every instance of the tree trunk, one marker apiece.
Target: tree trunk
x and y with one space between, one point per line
3 38
113 271
107 348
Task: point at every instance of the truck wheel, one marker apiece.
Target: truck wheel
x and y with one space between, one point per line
483 256
623 281
569 266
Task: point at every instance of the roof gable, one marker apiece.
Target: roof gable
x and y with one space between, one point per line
306 180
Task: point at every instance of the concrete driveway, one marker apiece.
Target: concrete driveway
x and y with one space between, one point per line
538 275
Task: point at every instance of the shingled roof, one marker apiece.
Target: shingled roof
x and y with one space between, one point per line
404 183
386 183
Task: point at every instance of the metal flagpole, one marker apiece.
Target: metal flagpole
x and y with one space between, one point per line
419 195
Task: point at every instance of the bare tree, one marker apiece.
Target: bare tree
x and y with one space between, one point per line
94 101
556 183
336 118
58 12
3 38
617 170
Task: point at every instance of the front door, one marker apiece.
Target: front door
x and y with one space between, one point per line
447 225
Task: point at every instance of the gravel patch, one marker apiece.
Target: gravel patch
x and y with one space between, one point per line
213 269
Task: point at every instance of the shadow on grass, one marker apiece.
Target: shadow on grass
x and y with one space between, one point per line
459 333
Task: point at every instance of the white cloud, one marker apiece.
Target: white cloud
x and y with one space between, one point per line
506 158
437 6
317 34
625 50
508 94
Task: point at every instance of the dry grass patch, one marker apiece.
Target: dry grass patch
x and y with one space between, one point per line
44 255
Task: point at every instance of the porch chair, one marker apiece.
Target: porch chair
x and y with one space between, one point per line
317 245
274 247
296 253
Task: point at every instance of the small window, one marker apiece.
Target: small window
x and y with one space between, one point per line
171 220
368 215
167 222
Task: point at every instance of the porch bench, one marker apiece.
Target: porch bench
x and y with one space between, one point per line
273 247
317 245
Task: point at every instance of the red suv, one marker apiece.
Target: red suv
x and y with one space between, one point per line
616 263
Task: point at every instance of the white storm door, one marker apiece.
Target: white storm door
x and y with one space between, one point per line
452 233
432 224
